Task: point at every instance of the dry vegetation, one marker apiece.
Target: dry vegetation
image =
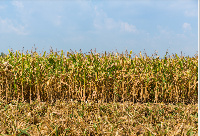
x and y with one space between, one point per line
102 94
77 118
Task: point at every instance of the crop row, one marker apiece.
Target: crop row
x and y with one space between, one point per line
105 77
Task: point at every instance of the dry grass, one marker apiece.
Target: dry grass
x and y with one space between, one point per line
76 118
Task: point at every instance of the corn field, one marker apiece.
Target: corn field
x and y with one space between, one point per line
106 77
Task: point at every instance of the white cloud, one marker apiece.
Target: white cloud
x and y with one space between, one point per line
18 4
190 13
127 27
186 26
180 35
2 7
7 26
185 4
57 20
164 31
110 23
100 17
102 21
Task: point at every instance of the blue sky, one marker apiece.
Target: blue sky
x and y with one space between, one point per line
105 25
